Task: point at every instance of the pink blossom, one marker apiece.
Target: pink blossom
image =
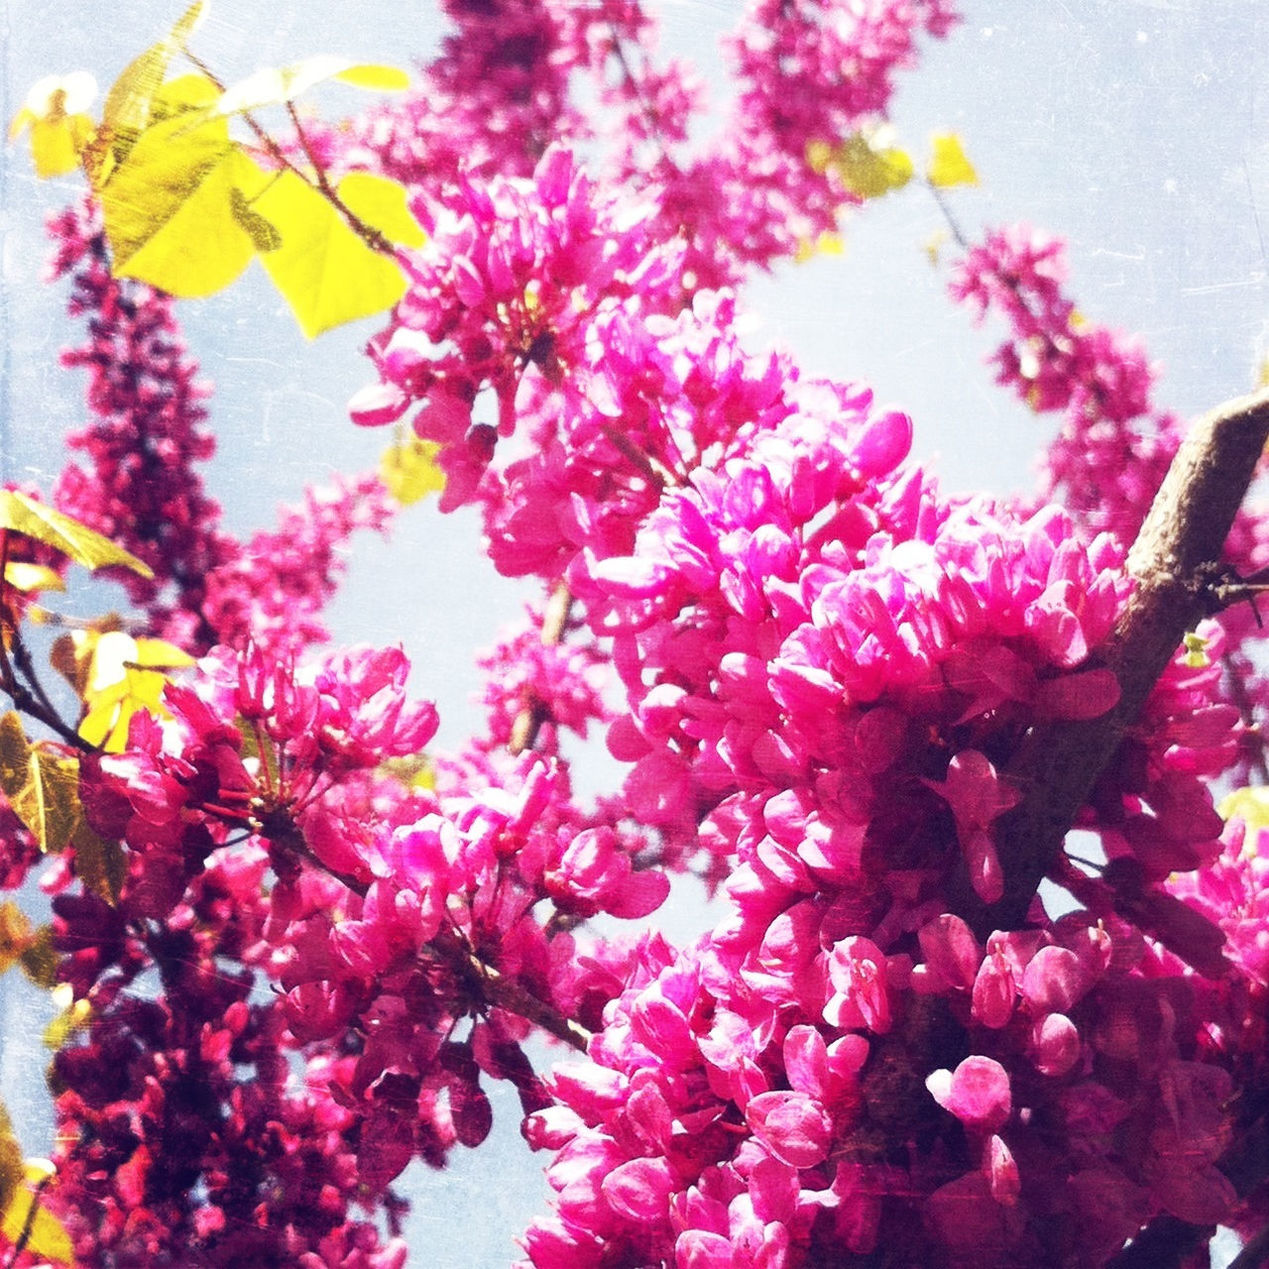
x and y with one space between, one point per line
977 1092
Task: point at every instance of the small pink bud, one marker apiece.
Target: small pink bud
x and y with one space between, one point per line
1001 1171
883 445
994 992
1055 1044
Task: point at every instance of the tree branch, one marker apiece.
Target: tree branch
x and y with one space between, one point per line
528 722
1058 763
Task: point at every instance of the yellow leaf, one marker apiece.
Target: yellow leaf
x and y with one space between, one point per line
60 130
415 771
818 155
56 144
383 205
168 208
29 578
125 675
21 514
1251 805
276 85
381 79
129 106
868 171
55 94
15 934
42 786
39 959
1196 657
827 244
408 469
46 1236
949 166
74 1015
934 245
10 1161
324 270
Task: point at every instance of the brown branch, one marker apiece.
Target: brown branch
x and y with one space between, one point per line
1254 1253
528 722
1058 763
507 993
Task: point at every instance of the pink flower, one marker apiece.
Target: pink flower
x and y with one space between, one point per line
793 1126
977 796
857 974
977 1092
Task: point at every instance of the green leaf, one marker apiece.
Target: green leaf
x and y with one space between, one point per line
15 934
277 85
325 271
10 1161
100 864
37 520
949 165
39 958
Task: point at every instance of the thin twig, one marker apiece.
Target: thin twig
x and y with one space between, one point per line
28 1225
528 722
367 233
495 988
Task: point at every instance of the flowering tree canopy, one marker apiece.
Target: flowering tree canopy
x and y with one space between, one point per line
976 783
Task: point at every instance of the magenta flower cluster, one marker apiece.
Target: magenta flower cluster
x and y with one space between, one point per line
302 943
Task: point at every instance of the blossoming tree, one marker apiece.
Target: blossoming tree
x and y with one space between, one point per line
295 944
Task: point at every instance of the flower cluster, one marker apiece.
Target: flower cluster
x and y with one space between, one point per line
540 680
184 1136
832 667
791 1105
299 945
1055 359
142 488
514 280
262 833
